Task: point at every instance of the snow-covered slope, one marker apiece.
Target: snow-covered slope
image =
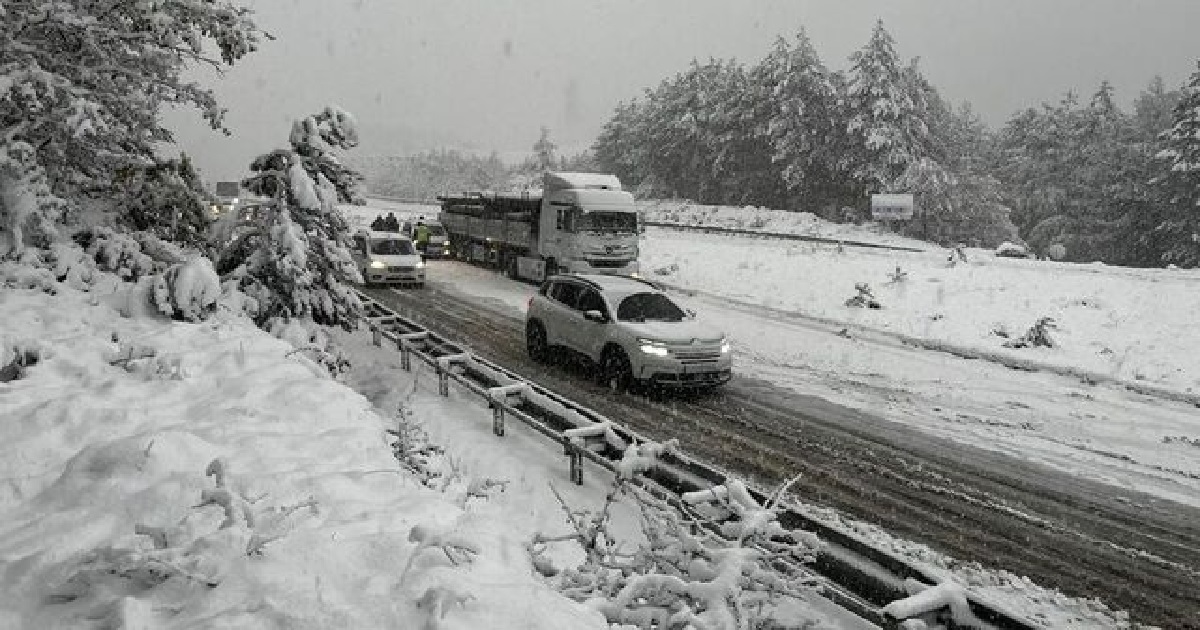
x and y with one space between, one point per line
108 518
1133 325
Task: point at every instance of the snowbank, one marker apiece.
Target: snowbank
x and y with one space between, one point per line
1132 325
303 520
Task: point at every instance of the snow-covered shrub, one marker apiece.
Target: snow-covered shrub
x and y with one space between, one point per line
313 342
296 261
16 359
720 561
1038 335
28 274
26 203
168 200
864 298
187 291
117 252
1009 249
897 276
167 563
1056 251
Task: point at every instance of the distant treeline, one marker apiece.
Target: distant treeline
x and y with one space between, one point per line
790 133
1079 176
424 176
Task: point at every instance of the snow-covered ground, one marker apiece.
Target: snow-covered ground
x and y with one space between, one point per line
768 220
160 474
142 460
99 445
783 304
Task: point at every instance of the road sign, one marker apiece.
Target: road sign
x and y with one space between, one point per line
228 189
891 207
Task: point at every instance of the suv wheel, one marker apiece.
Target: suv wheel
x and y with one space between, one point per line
615 370
535 342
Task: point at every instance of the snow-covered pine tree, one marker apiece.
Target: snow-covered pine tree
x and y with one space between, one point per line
887 119
297 263
545 152
82 86
798 98
1176 232
168 200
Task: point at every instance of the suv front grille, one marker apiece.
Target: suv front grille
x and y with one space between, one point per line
399 269
692 354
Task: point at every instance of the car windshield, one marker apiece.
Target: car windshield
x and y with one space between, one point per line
643 307
436 230
607 222
391 247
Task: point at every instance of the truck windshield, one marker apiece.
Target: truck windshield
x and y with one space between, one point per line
392 247
607 222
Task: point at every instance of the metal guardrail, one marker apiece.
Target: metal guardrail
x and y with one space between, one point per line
713 229
855 575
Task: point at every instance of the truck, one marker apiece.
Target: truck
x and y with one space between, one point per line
578 222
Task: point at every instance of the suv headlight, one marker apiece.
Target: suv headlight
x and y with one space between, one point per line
725 347
378 264
656 348
420 264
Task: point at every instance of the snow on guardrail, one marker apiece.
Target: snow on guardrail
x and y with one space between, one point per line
866 580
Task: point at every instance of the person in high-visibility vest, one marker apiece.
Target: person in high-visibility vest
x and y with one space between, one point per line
421 236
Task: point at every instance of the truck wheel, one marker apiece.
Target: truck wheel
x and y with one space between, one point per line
615 370
512 267
535 342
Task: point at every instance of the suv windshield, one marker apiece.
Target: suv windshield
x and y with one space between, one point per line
607 222
391 247
641 307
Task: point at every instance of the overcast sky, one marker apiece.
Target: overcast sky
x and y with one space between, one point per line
486 74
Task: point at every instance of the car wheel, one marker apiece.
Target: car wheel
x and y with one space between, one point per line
535 342
615 370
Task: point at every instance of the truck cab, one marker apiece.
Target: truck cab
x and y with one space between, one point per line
588 224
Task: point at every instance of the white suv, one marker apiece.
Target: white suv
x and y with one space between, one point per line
629 329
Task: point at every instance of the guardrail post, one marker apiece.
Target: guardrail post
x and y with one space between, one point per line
498 419
405 360
443 380
377 336
575 453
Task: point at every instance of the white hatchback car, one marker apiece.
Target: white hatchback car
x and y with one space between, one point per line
629 329
387 258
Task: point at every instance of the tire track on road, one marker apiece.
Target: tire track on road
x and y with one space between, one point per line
1134 552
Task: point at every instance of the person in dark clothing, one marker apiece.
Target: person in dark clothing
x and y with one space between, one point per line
391 223
379 224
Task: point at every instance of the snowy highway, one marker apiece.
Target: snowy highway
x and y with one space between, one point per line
1133 550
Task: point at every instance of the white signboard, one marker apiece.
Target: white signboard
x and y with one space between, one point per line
891 207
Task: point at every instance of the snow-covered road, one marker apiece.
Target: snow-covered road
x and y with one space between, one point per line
1098 432
973 504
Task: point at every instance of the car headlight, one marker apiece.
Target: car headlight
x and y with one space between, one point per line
420 264
656 348
378 264
725 347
